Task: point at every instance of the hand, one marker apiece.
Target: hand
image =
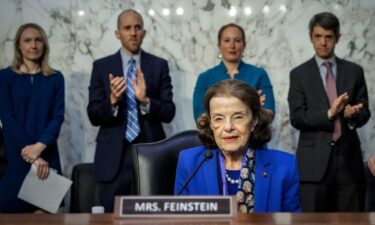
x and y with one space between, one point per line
31 152
338 105
262 98
371 164
118 87
42 168
140 87
352 111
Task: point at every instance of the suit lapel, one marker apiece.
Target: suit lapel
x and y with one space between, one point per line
340 77
117 66
146 65
211 175
263 176
316 81
114 67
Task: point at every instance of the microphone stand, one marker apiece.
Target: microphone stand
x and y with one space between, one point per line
207 155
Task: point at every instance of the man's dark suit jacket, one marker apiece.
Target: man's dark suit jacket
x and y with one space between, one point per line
308 104
111 140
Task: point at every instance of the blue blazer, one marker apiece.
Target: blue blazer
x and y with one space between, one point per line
111 140
276 178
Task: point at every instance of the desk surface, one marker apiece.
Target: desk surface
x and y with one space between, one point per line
264 219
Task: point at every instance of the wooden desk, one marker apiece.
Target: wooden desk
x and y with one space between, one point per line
261 219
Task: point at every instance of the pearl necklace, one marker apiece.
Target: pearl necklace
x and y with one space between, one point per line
230 180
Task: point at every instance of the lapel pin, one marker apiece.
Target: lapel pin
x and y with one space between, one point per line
265 174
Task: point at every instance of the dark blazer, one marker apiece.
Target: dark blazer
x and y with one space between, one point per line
308 104
278 191
111 140
30 112
3 156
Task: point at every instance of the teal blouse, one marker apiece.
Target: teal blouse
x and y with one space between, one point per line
256 77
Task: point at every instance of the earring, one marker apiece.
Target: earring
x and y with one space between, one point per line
219 55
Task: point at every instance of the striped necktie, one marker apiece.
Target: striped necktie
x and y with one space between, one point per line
132 128
332 95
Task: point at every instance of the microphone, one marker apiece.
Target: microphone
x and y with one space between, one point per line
207 155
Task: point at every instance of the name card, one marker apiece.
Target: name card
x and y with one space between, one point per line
174 206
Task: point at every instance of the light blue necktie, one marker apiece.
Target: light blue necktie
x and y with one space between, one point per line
132 128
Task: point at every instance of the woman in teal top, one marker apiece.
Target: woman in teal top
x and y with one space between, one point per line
231 43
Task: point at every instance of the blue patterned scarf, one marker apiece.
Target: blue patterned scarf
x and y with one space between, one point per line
245 193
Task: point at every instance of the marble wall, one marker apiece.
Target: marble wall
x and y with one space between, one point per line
185 33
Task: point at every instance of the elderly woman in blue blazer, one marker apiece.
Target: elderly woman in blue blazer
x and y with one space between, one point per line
234 129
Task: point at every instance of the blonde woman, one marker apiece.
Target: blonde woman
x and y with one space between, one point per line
31 111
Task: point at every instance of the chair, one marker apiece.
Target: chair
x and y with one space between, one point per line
154 164
84 193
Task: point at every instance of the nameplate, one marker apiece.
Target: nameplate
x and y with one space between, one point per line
174 206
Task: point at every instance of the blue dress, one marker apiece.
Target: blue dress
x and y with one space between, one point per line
256 77
31 110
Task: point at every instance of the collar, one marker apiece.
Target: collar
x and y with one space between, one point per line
321 61
223 68
125 57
